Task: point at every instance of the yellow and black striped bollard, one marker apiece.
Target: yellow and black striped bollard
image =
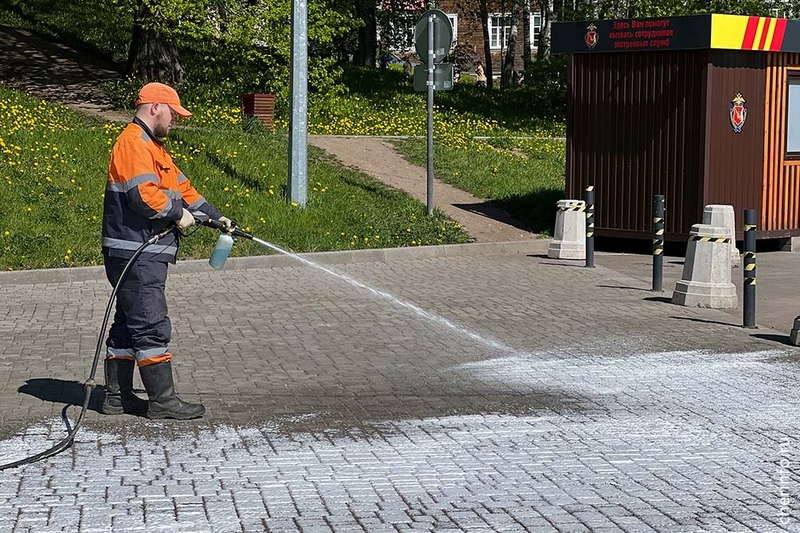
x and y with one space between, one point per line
749 270
658 242
590 226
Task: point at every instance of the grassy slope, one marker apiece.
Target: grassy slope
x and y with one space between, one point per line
247 171
53 171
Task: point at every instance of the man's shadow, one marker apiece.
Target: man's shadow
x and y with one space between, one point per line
64 392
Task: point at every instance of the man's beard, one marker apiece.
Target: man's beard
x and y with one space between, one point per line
160 131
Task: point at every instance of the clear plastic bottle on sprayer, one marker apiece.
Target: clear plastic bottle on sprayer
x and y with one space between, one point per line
221 251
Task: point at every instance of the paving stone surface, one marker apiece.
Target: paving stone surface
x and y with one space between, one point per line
505 392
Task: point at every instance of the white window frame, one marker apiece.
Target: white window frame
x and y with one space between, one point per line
454 21
535 29
498 35
495 32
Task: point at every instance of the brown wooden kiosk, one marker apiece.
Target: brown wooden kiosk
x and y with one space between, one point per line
702 109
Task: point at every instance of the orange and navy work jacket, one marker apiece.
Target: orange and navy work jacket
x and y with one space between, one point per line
145 193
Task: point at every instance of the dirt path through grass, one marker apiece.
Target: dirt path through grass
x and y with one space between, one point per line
378 158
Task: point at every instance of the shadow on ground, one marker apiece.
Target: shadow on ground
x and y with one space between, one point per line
490 210
64 392
771 337
703 321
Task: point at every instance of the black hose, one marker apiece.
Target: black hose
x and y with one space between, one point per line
90 384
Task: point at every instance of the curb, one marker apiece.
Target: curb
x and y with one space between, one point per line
377 255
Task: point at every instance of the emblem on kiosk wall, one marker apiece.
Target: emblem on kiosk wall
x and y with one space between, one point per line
738 112
591 35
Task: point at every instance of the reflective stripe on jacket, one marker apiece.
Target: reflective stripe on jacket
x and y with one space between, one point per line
145 193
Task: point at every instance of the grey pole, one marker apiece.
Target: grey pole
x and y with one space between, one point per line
298 127
431 70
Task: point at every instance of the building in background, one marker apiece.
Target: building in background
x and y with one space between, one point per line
398 18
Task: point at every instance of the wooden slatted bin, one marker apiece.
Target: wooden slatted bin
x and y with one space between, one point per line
260 107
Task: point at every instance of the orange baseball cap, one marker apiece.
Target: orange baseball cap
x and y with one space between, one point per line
158 93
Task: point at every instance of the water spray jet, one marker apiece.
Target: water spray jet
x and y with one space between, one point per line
219 256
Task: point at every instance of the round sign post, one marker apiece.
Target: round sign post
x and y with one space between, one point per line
442 35
433 37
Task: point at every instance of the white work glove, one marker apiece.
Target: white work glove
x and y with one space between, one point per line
187 220
228 222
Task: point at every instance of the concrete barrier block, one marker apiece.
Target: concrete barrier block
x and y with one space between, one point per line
569 240
724 216
789 244
794 335
706 279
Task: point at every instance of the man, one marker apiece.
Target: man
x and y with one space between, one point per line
480 75
408 68
145 194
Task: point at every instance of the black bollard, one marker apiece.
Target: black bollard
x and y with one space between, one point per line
749 269
590 226
658 242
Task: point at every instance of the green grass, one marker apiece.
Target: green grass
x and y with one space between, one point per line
383 102
53 173
347 210
520 166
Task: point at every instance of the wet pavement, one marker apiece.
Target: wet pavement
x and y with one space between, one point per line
419 391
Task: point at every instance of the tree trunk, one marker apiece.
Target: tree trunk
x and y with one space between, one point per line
222 11
487 49
367 52
543 51
527 28
152 56
133 49
508 79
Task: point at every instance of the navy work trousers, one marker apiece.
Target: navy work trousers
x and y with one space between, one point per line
141 327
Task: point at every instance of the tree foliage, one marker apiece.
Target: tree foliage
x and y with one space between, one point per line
244 44
236 46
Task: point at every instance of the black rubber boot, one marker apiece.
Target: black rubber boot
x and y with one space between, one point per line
119 397
164 403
